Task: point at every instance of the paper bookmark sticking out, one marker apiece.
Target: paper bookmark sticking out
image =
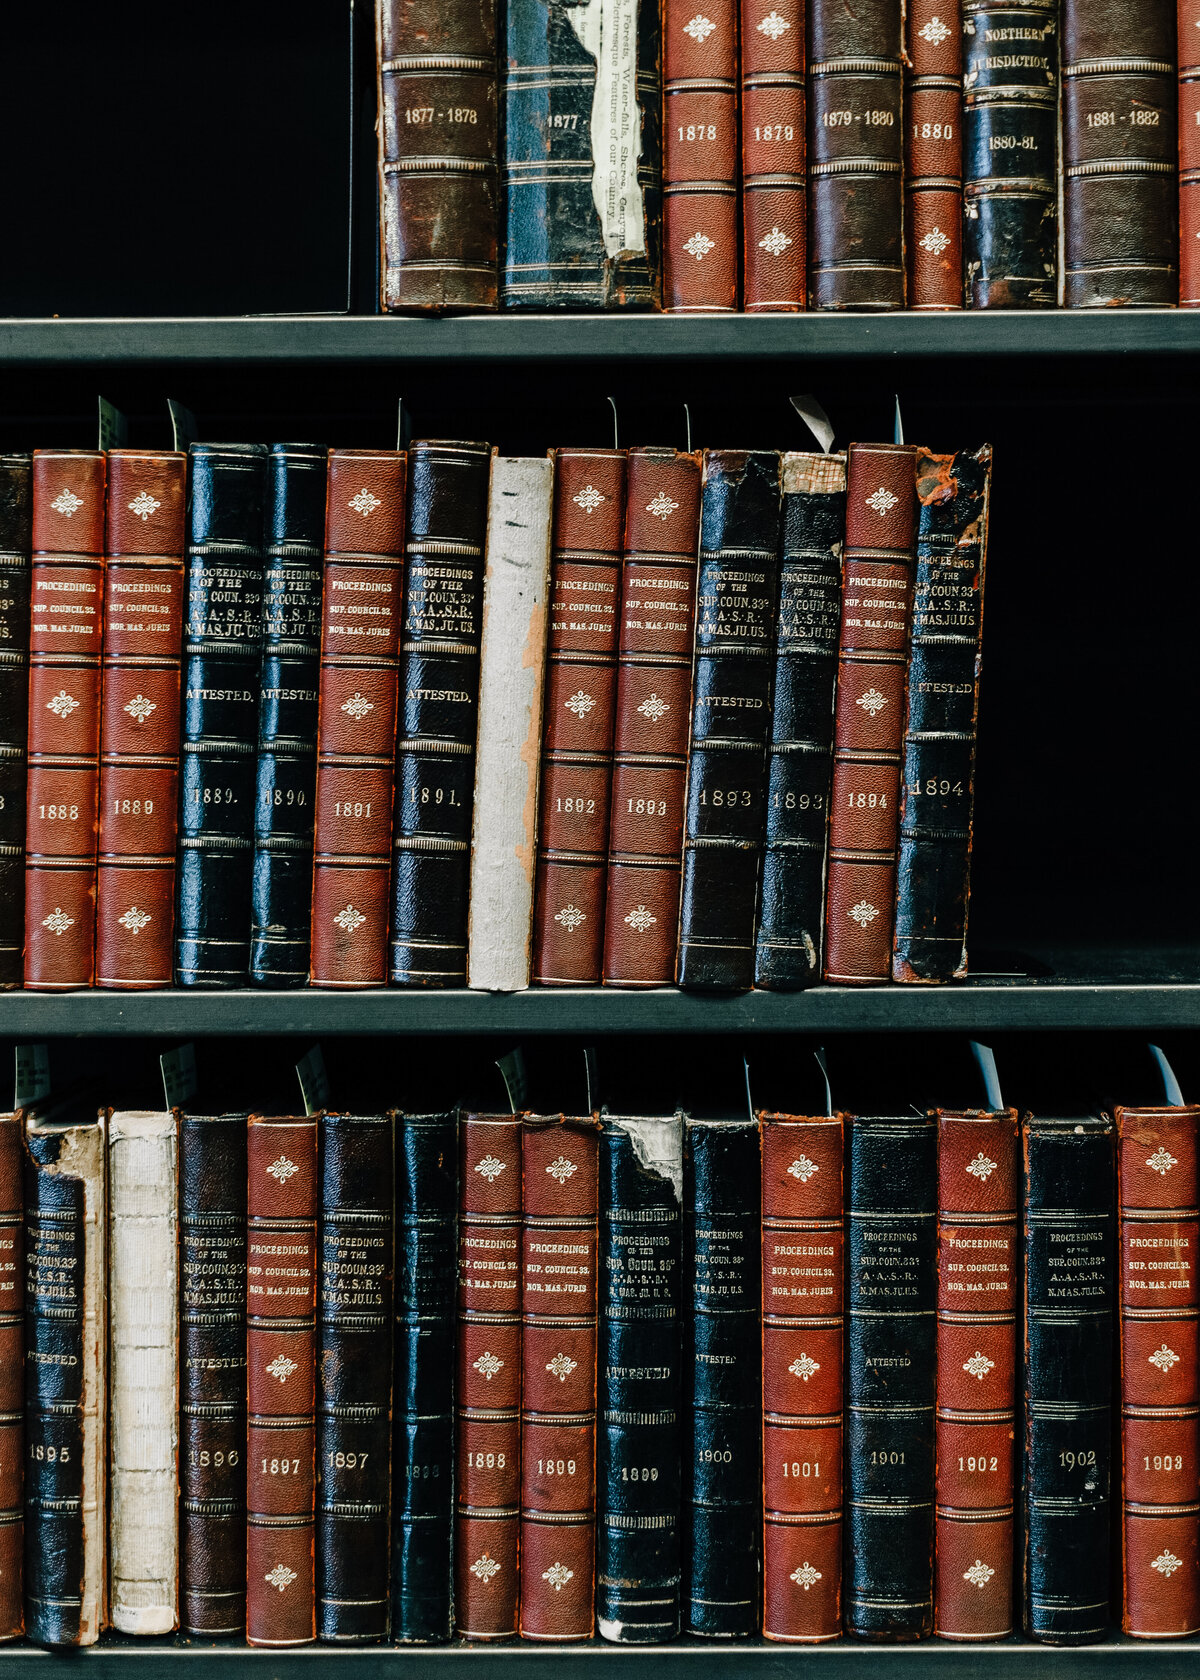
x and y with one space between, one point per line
314 1081
516 1082
822 1063
184 429
815 418
32 1074
179 1075
985 1060
113 427
1171 1088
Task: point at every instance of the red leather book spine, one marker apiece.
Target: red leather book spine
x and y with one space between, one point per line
1160 1393
700 156
139 718
65 639
356 723
1188 37
774 185
487 1581
650 739
578 707
933 155
12 1376
868 731
281 1244
802 1234
558 1394
975 1431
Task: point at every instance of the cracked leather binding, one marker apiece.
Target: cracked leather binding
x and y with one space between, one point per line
439 710
891 1376
65 640
700 157
423 1384
1187 36
1070 1267
737 597
774 183
16 534
1160 1403
354 1377
802 1284
933 187
356 724
222 655
12 1360
792 908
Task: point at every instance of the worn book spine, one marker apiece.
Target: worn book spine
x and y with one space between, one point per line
638 1381
868 729
1070 1273
891 1377
508 751
356 722
212 1335
978 1244
354 1377
222 654
281 1269
1160 1398
774 180
439 211
66 1343
1187 37
558 1393
803 1215
933 154
65 640
725 823
700 157
439 711
16 536
423 1384
12 1365
143 1297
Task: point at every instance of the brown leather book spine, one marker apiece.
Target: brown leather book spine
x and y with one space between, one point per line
578 708
139 719
1188 38
700 157
558 1394
1160 1393
356 724
774 185
281 1245
802 1233
933 155
650 739
975 1430
487 1581
12 1377
877 577
65 639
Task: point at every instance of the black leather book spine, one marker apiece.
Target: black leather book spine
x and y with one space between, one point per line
638 1380
891 1377
285 793
354 1376
1070 1285
439 703
792 912
212 1376
223 638
722 1500
16 517
423 1392
725 814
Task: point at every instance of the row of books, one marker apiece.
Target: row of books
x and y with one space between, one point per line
447 717
782 1374
783 156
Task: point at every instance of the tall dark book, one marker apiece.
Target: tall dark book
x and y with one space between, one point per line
12 1368
16 535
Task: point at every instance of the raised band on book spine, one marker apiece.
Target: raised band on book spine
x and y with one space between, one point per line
12 1371
16 535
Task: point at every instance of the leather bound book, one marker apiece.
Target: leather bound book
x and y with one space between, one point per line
439 711
16 533
737 598
1120 156
722 1365
488 1426
933 154
1070 1267
1160 1399
802 1281
1010 153
978 1242
212 1371
937 784
774 185
12 1366
558 1395
855 156
891 1376
792 907
578 713
1187 37
65 639
281 1254
439 209
356 724
654 692
139 719
868 728
700 157
638 1355
354 1381
222 648
423 1385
